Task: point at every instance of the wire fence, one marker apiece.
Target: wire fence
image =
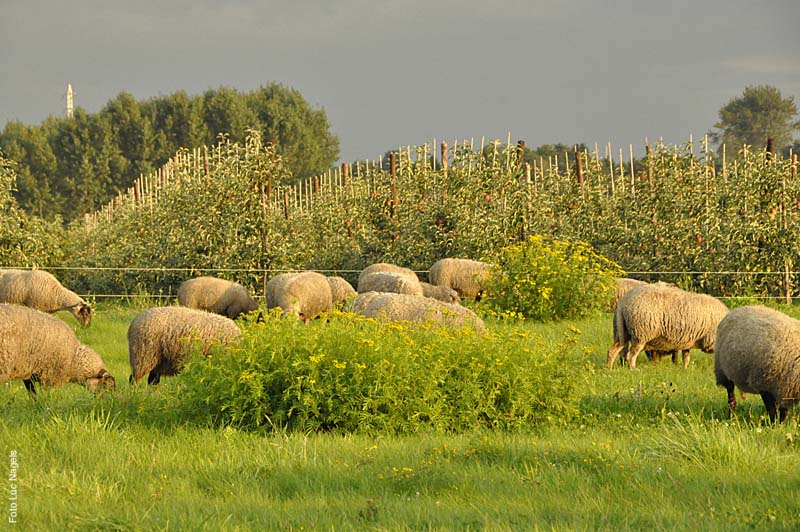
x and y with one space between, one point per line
648 274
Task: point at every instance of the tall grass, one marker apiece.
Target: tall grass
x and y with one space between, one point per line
650 448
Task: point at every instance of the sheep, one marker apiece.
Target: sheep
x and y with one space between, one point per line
38 348
758 351
341 290
622 287
442 293
216 295
465 276
39 290
404 307
665 318
304 295
386 267
160 339
397 283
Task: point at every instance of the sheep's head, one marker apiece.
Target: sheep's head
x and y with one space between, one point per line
89 370
101 382
83 313
453 297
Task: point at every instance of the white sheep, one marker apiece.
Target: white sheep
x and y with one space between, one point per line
404 307
305 295
465 276
39 290
442 293
341 290
664 318
160 339
216 295
758 351
387 267
398 283
38 348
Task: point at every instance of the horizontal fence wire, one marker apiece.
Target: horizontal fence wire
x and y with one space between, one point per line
335 271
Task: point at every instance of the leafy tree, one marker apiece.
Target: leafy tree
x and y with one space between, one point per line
759 113
301 134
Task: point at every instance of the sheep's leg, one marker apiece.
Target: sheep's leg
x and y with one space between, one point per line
686 357
769 402
731 398
29 385
655 356
613 351
154 377
782 410
633 352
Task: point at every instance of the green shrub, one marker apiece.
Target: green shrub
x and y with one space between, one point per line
545 279
353 374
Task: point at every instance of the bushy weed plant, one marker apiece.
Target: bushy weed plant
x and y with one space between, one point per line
352 374
546 279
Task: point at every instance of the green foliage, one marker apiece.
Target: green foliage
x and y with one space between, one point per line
759 113
71 166
232 209
357 375
24 240
546 279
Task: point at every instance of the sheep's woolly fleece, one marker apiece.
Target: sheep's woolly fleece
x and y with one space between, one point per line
304 295
160 338
35 346
758 351
40 290
465 276
664 318
404 307
397 283
215 295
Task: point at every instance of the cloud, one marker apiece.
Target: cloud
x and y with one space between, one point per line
764 64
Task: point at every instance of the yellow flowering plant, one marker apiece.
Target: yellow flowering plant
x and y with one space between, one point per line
547 279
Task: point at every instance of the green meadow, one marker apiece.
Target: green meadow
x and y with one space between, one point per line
644 449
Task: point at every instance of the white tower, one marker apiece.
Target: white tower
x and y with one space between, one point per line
69 100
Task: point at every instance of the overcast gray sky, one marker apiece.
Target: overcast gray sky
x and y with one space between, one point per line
406 71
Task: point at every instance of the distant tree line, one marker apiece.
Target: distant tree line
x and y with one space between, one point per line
68 166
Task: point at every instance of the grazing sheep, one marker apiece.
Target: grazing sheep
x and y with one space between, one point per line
341 290
623 286
386 267
305 294
39 290
216 295
758 351
160 339
38 348
404 307
665 318
467 277
397 283
442 293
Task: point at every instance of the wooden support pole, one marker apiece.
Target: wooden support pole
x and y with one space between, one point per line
395 202
444 159
579 167
521 153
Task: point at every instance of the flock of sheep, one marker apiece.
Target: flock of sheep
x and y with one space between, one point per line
756 349
40 349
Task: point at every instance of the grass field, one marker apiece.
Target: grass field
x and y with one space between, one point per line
651 449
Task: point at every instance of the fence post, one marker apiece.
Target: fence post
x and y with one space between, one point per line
579 167
393 169
521 153
444 159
